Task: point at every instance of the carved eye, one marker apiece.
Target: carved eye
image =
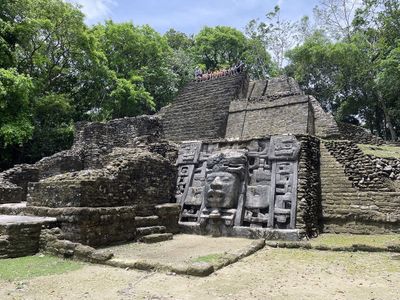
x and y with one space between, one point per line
210 179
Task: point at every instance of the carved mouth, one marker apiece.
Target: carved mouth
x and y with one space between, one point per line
215 194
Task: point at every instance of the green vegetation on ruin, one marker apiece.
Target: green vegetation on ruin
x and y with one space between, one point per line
114 70
384 151
210 258
35 266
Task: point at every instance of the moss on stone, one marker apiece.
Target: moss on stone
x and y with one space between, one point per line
210 258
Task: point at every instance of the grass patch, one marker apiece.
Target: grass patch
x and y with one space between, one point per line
34 266
210 258
347 240
384 151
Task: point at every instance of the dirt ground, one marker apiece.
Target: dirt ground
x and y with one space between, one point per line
184 248
268 274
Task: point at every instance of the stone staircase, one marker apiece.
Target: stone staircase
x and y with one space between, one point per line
149 231
201 110
348 210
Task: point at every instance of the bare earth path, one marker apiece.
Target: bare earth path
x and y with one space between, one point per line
268 274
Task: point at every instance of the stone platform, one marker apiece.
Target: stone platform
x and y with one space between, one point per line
19 235
8 221
186 254
245 232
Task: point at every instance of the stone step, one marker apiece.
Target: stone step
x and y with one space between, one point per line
330 203
146 221
326 185
336 177
156 238
334 165
370 194
333 192
361 199
142 231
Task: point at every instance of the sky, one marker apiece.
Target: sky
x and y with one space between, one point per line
189 16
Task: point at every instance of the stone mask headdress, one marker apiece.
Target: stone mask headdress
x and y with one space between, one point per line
232 161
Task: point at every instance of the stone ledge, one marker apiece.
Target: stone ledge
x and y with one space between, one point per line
247 232
156 238
52 242
353 248
6 220
199 269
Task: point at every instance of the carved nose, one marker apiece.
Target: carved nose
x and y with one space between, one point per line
216 183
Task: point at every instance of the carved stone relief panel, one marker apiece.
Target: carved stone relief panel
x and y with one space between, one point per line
248 183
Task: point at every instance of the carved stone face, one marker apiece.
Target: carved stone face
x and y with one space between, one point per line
222 190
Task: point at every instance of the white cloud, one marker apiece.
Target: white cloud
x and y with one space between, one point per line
95 9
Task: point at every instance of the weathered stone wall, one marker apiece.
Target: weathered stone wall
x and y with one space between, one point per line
347 209
359 168
309 209
168 216
325 124
19 235
95 140
250 118
90 226
14 183
270 107
274 88
200 111
19 240
113 172
358 134
53 242
131 177
59 163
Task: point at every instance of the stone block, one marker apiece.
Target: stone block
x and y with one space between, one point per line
156 238
200 269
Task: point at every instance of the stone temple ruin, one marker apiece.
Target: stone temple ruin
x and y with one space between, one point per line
229 157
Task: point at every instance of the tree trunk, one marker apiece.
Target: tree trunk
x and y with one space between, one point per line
389 124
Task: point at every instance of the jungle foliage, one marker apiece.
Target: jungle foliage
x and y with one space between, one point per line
56 70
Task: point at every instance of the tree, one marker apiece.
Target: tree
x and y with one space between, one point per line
355 74
15 123
336 17
178 40
377 21
333 72
219 46
140 52
16 126
388 83
258 60
276 34
53 127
